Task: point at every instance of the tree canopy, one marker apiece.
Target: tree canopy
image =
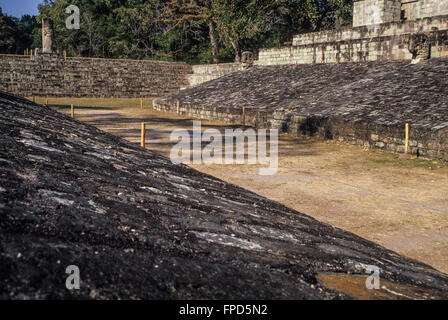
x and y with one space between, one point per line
16 35
195 31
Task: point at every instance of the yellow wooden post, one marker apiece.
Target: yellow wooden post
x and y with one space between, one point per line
406 144
31 54
72 111
143 135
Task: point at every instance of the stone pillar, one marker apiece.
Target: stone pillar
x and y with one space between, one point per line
47 36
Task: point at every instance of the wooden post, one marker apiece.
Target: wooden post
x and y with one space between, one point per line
141 103
65 55
143 135
46 101
31 54
72 111
406 144
244 116
178 106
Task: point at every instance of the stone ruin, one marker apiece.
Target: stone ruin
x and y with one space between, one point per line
371 12
365 103
47 40
382 30
247 59
140 227
47 35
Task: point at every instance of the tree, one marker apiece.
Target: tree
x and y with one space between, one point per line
191 15
336 14
261 22
141 24
239 20
194 31
16 35
8 30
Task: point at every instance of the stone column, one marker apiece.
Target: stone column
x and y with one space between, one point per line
47 36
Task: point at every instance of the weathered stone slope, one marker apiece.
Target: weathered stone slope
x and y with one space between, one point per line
363 103
54 76
138 226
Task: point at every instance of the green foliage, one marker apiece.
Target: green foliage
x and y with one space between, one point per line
16 35
195 31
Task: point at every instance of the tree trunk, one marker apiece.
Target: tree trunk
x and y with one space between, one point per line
236 48
211 31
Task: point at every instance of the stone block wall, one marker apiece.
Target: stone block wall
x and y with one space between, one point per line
382 42
226 114
432 144
431 8
410 9
51 75
385 30
206 72
427 143
370 12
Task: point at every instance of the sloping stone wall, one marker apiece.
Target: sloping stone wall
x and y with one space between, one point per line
369 43
140 227
51 75
364 103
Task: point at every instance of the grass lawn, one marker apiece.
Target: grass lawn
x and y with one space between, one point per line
115 103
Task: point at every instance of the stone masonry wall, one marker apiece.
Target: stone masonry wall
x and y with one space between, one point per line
418 9
431 144
51 75
206 72
369 12
370 32
381 42
252 117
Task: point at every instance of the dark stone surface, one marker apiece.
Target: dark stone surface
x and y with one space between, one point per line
138 226
348 101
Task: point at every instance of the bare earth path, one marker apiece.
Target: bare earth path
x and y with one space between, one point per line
400 204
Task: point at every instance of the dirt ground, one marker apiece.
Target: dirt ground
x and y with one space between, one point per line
400 204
